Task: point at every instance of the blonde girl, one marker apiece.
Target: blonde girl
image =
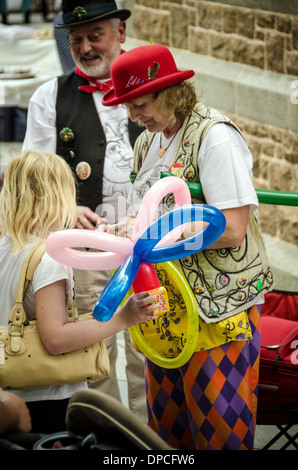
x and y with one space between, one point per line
39 197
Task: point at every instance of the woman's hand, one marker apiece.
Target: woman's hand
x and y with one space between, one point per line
123 229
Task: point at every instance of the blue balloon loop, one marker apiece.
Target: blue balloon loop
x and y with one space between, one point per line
146 248
117 288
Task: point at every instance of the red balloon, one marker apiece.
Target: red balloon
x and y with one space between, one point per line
146 279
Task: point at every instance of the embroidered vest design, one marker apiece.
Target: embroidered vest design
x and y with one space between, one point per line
224 281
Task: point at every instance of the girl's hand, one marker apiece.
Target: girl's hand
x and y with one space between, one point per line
138 308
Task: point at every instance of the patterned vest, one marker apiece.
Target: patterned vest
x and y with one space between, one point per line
224 281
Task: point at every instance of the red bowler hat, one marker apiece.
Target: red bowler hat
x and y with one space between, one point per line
141 71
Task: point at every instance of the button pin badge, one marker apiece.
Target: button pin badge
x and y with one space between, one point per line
66 134
79 13
83 170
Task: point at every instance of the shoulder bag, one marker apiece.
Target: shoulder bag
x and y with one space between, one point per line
25 363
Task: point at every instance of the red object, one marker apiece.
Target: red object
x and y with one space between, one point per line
281 304
146 279
141 71
97 86
278 382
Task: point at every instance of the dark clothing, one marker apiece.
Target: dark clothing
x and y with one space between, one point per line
48 416
76 110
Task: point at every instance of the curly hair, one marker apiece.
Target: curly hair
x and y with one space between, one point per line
38 196
178 100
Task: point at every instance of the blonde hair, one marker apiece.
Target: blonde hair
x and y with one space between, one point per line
38 196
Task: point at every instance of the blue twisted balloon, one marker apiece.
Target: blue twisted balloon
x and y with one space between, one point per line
145 250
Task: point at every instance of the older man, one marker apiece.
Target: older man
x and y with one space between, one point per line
66 116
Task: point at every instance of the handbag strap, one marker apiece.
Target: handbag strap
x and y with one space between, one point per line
17 316
72 312
32 262
26 275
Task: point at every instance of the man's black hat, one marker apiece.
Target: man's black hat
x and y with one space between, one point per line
76 12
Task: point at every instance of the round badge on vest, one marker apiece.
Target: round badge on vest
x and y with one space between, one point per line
83 170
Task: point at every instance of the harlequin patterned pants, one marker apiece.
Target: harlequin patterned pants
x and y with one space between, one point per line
210 403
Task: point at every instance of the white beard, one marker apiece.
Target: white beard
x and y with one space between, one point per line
102 69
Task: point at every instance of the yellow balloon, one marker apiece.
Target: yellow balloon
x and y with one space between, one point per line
192 327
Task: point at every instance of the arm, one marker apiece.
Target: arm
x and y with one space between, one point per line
235 231
225 165
60 336
233 236
41 119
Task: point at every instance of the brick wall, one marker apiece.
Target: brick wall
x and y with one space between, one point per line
263 40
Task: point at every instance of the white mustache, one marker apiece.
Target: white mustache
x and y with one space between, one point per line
90 56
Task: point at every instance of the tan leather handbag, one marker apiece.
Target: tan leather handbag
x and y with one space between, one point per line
25 363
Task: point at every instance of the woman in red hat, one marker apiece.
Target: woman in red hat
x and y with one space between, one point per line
210 402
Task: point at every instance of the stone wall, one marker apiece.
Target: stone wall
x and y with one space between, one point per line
246 61
275 153
268 40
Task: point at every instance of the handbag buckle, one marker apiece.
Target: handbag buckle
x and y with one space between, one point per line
11 331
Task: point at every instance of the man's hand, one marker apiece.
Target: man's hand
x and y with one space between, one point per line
87 219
